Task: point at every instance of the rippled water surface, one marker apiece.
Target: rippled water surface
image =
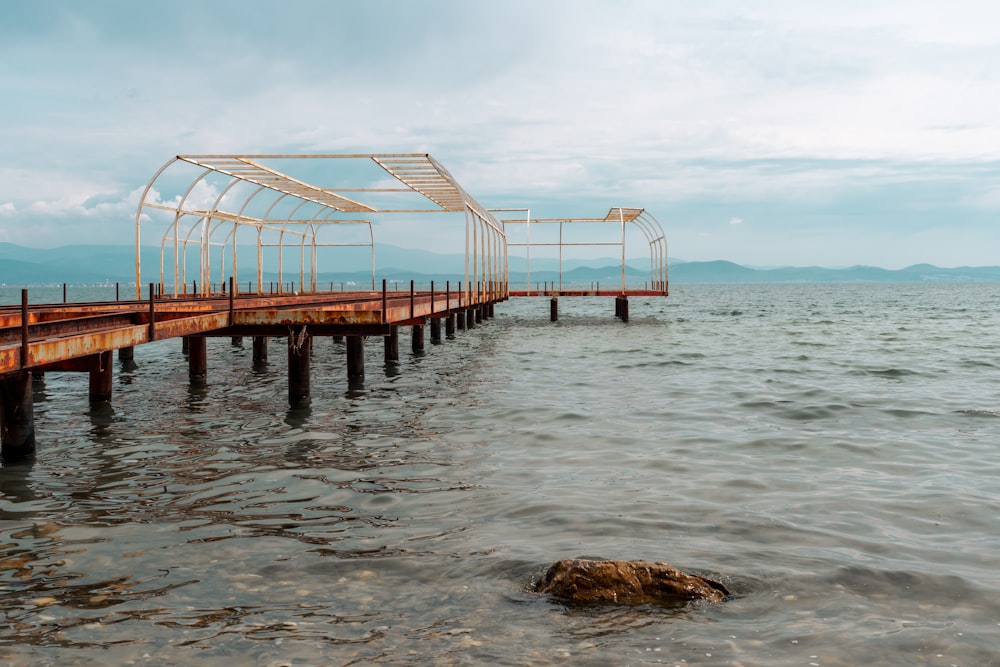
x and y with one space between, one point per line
831 453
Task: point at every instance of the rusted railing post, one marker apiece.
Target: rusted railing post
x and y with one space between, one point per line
384 302
232 296
24 328
152 313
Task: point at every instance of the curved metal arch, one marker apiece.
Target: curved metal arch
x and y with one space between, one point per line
179 212
138 225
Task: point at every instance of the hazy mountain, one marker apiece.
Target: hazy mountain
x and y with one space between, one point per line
95 263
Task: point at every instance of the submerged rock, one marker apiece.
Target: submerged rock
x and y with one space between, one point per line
626 582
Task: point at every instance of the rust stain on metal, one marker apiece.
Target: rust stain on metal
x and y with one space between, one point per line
60 333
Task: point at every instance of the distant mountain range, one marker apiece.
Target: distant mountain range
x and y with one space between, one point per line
102 264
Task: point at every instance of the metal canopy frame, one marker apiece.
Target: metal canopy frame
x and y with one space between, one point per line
314 208
621 216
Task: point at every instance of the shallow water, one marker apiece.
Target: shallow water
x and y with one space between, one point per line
829 452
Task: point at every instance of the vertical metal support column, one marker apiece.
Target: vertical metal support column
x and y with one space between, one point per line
435 330
554 309
237 341
392 345
126 353
17 417
355 359
461 318
259 350
299 346
449 325
470 317
417 343
185 345
197 359
623 308
479 313
101 380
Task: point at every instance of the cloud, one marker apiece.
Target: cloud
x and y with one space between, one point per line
735 221
691 111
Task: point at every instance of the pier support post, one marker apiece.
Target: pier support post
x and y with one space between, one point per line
554 309
621 308
17 417
435 330
197 359
470 318
392 345
102 381
185 344
299 345
449 325
417 343
355 359
479 314
237 341
461 319
126 354
259 350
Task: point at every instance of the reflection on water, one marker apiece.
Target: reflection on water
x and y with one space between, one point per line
803 444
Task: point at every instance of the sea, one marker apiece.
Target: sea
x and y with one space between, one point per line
830 452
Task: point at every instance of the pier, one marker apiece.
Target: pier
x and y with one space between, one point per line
221 198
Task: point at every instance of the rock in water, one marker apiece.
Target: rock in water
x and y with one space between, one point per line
626 582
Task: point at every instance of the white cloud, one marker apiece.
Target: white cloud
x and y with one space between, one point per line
735 221
649 103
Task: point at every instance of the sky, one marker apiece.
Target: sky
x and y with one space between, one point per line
768 133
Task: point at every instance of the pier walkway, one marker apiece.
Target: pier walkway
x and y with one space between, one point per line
222 197
81 337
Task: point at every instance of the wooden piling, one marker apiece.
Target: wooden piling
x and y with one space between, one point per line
101 380
259 350
299 346
197 359
417 342
392 345
17 417
355 359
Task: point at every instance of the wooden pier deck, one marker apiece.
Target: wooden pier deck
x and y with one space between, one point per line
260 215
81 337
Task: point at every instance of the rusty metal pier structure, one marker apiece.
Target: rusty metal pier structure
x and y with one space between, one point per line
211 216
618 218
